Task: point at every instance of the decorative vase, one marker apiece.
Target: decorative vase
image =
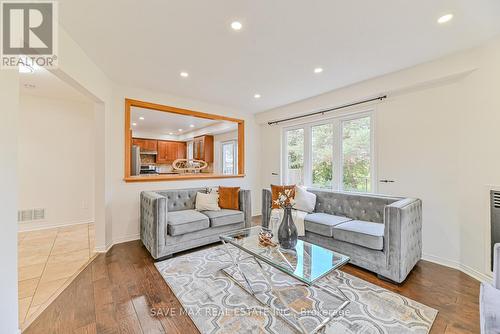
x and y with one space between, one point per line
287 232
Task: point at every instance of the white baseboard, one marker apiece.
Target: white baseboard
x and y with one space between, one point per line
118 240
459 266
43 225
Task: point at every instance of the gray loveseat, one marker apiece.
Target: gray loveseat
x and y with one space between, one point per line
170 223
379 233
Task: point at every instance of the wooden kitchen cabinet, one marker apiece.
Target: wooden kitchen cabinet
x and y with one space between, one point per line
148 145
181 150
203 148
161 157
168 151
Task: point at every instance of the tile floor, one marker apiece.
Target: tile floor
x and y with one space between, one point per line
47 259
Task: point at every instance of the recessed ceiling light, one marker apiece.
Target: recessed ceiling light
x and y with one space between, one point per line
191 125
445 18
236 25
180 130
318 70
134 124
257 96
184 74
141 118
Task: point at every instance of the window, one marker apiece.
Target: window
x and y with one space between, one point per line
356 154
190 150
295 156
322 155
229 154
334 154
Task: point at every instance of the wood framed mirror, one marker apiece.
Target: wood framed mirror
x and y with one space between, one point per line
164 143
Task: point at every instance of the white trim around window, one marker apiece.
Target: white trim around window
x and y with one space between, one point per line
337 122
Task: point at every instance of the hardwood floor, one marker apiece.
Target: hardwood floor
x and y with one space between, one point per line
120 290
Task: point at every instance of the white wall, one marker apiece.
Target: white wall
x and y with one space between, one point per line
76 69
125 200
9 95
437 136
218 140
56 160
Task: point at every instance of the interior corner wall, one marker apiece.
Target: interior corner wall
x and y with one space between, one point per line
56 160
436 135
9 95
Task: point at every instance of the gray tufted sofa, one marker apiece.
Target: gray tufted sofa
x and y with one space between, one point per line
170 223
379 233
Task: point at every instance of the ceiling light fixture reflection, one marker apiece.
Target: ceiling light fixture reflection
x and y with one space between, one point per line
318 70
184 74
257 96
191 125
134 124
180 130
141 118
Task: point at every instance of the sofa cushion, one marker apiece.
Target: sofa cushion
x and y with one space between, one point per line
304 200
323 223
208 201
224 217
229 198
362 233
186 221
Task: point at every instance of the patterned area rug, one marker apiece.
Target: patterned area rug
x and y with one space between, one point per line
216 304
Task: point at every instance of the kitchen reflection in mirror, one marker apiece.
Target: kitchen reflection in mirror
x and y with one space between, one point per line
179 144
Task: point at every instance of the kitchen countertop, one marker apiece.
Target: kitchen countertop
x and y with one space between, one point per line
178 176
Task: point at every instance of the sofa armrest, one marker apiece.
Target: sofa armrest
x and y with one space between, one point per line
153 221
403 235
266 206
245 202
496 266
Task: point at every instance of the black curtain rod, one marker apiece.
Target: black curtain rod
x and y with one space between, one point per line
380 98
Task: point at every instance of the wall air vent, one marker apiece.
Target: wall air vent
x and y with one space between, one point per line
496 199
30 215
25 215
38 214
495 220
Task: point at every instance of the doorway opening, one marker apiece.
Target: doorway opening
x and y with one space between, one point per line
56 168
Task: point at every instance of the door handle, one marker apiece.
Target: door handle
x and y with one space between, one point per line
387 181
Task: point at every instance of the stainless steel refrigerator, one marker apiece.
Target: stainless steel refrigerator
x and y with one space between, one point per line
135 160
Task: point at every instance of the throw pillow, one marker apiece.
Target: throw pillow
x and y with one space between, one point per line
304 200
207 202
228 198
276 190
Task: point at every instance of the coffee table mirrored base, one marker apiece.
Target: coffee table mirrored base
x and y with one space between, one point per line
297 324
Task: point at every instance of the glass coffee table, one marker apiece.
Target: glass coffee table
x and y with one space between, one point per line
307 263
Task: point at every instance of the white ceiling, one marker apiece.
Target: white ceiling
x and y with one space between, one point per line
157 122
45 84
147 43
